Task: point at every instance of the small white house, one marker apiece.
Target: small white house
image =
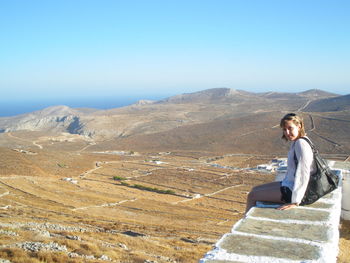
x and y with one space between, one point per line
280 173
266 167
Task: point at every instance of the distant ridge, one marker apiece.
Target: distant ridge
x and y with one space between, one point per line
211 107
60 110
279 95
317 93
210 95
311 94
340 103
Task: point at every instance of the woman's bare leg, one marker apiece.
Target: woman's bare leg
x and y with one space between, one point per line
267 192
265 186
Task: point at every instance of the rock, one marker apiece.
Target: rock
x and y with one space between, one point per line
43 233
188 240
47 226
104 257
89 257
56 227
8 233
74 238
73 255
38 246
165 259
133 234
123 246
71 180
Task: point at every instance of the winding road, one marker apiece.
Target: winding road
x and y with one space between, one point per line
21 139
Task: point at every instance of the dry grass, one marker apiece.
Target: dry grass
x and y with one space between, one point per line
126 224
344 243
16 255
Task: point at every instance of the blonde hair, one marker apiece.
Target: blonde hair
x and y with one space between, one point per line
297 120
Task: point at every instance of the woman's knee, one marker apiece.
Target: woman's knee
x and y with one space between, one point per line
255 188
252 194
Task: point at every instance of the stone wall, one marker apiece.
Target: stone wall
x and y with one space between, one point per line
302 234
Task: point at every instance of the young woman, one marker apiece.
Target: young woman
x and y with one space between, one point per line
291 190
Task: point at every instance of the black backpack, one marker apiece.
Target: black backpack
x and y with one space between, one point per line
322 182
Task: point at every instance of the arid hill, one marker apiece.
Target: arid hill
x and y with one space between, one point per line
339 103
151 182
258 133
219 120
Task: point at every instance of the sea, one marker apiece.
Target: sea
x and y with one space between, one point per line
13 108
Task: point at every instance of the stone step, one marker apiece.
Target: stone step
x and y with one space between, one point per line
302 234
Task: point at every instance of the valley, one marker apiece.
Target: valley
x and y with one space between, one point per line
151 182
97 198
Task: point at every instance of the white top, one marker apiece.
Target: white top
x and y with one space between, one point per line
297 177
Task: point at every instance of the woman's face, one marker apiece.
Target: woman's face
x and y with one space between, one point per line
291 130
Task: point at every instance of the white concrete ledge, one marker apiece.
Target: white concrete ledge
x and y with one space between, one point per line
302 234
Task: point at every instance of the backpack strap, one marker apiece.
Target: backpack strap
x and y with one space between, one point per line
319 161
310 143
314 151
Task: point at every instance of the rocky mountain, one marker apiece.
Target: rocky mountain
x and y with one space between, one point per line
175 115
52 118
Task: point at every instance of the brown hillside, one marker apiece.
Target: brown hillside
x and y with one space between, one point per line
258 134
339 103
180 183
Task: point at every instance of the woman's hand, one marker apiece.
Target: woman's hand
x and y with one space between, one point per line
286 206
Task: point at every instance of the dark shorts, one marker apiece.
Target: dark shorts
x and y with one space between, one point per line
286 194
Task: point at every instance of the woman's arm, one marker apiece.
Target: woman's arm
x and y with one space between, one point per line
304 156
286 206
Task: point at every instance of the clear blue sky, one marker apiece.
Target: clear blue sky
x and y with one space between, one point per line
103 49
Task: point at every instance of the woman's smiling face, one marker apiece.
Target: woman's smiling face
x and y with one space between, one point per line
291 130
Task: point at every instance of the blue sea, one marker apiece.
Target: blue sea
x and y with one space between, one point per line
12 108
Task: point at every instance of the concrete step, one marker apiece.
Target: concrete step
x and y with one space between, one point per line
302 234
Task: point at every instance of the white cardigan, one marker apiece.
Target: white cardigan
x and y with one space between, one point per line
297 177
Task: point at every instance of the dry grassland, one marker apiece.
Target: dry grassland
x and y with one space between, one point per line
99 213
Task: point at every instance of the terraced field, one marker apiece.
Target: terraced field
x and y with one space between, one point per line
73 205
